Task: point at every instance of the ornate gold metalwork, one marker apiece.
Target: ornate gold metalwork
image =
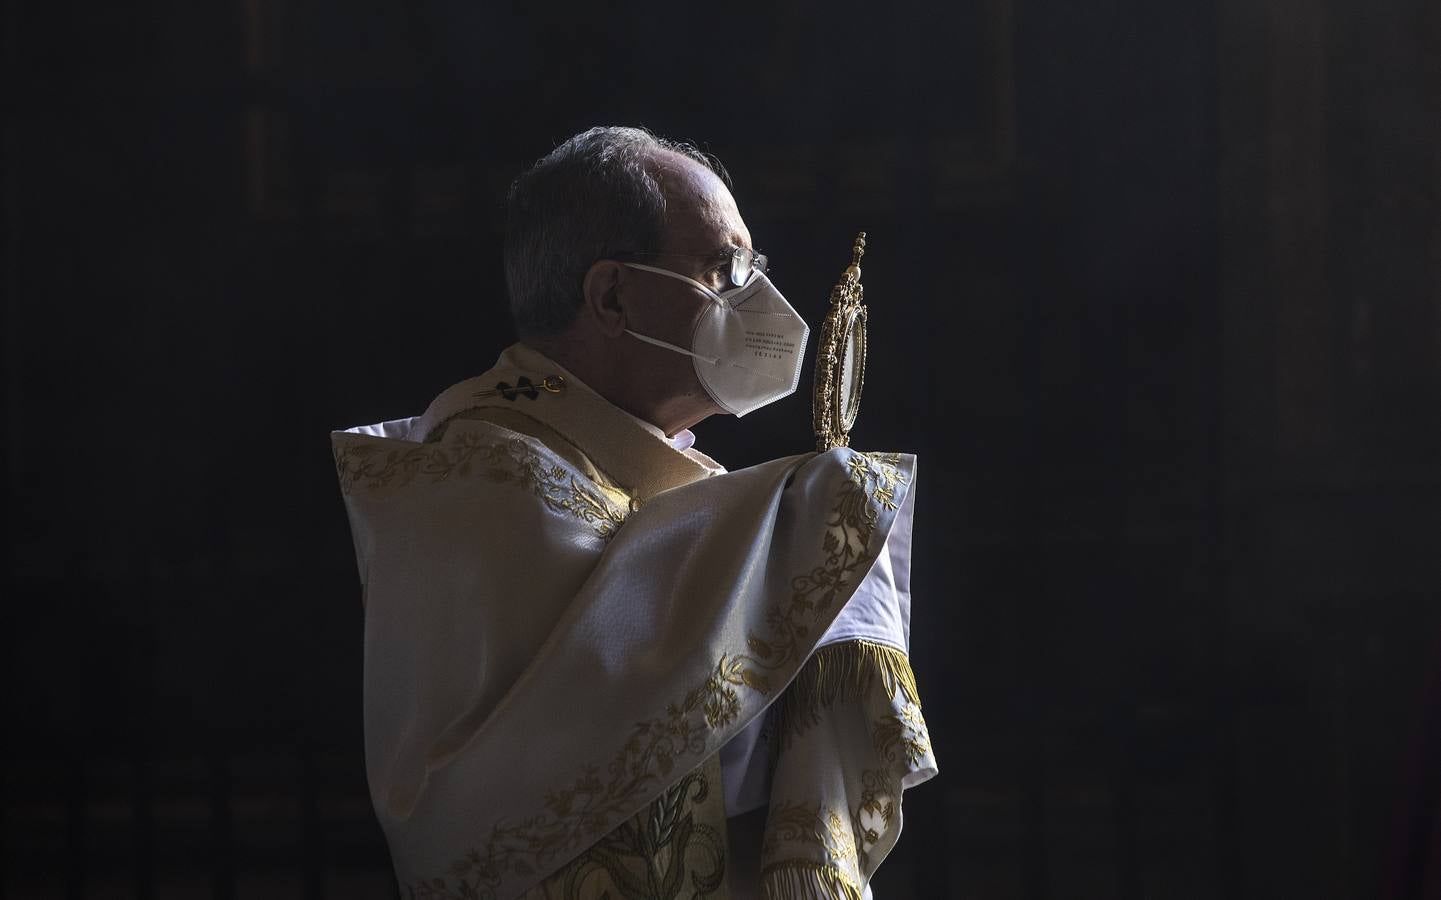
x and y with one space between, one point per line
841 357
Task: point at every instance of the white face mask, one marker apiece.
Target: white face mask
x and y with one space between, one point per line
747 348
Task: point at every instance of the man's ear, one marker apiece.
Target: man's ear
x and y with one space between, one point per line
601 296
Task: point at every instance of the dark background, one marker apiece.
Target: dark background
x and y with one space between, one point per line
1155 294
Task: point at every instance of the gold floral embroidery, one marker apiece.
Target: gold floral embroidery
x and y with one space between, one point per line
818 830
846 672
675 846
848 535
876 811
902 734
821 849
372 465
803 823
590 806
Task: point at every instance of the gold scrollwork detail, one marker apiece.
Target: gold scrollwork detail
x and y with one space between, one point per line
373 465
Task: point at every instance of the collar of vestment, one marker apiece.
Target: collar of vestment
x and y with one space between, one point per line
635 455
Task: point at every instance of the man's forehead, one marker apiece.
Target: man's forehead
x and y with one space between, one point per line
701 214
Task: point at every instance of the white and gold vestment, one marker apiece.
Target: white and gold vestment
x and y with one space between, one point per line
567 618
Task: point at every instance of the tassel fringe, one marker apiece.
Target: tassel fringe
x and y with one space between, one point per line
804 880
841 673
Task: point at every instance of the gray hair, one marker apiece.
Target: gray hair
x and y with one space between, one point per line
594 196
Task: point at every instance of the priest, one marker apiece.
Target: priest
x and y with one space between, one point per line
597 663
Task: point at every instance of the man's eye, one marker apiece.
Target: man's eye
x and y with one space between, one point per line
718 276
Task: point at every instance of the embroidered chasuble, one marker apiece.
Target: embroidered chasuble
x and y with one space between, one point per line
591 652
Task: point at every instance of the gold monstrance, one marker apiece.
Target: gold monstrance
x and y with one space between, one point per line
841 357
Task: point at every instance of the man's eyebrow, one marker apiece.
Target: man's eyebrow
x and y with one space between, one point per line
718 254
735 244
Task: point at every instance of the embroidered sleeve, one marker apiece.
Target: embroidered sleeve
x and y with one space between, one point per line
851 739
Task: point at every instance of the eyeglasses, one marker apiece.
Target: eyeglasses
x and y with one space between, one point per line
743 261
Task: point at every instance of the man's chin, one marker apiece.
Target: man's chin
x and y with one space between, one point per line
703 409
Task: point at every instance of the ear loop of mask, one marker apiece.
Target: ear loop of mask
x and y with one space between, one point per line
659 343
686 278
714 297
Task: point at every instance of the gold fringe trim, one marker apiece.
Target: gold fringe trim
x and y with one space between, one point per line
841 673
802 879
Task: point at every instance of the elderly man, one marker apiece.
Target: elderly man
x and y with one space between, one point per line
597 664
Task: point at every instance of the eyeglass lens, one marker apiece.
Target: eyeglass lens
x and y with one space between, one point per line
743 261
